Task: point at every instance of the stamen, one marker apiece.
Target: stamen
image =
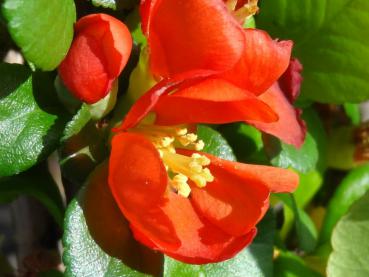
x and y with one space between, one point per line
179 182
192 167
199 145
184 168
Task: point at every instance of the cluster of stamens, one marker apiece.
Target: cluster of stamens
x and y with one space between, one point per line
181 169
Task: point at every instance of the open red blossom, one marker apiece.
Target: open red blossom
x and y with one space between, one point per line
213 70
98 54
181 216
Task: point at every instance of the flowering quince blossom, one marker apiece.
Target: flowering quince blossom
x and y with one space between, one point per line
206 62
98 54
192 206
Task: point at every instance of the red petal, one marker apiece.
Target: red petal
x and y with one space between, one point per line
138 181
235 201
115 39
263 61
276 179
291 80
97 56
289 128
145 103
83 70
161 219
201 242
202 103
189 35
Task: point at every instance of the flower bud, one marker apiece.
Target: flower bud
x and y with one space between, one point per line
98 54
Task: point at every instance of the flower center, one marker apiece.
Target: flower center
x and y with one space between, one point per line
180 168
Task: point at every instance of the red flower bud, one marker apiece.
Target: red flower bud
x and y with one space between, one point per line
99 52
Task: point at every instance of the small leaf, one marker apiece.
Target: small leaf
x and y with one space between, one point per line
30 123
330 40
254 261
215 144
352 187
37 183
43 34
350 243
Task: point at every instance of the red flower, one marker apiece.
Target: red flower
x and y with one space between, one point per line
192 206
208 63
98 54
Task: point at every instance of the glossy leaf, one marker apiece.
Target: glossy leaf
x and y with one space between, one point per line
29 21
350 243
331 42
215 144
254 261
30 123
352 187
79 120
310 156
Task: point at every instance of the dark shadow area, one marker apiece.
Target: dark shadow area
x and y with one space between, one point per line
12 77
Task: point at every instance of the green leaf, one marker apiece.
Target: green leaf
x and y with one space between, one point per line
309 185
30 125
215 144
246 142
104 106
284 155
43 29
115 4
350 243
353 112
330 40
310 156
254 261
105 4
80 119
352 187
38 183
290 265
95 235
305 229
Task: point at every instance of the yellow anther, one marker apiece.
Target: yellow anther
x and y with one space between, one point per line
181 131
179 182
199 180
187 139
195 167
166 141
208 176
199 145
201 159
